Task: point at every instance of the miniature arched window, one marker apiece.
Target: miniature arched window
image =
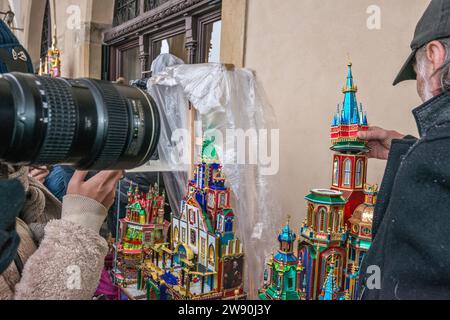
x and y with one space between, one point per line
180 254
212 255
222 200
291 281
331 219
336 172
352 254
336 220
193 238
322 220
176 234
359 173
337 267
274 276
305 278
366 231
229 225
203 249
285 246
192 216
310 215
347 172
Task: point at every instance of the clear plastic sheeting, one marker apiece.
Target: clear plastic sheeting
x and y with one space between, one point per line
230 103
173 107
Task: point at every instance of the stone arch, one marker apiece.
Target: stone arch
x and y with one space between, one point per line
35 20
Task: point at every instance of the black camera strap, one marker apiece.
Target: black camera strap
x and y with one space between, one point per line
19 264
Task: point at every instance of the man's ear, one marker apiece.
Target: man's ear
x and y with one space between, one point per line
436 54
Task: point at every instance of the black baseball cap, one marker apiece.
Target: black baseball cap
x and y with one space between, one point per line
434 25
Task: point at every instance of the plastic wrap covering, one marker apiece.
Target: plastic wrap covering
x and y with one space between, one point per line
230 101
173 107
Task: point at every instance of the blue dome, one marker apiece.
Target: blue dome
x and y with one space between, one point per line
287 235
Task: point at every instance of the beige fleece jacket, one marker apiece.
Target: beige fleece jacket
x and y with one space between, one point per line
68 263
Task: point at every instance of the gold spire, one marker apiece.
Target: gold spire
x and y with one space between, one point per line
350 86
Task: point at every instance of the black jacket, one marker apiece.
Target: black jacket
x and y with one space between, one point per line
411 245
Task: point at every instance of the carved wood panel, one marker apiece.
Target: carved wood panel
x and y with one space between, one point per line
170 21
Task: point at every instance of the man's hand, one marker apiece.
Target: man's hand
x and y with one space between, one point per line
380 141
101 187
39 174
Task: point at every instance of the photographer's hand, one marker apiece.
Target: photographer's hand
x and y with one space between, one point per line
101 187
87 202
39 173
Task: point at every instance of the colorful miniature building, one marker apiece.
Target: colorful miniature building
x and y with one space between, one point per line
330 252
283 269
204 260
350 160
322 241
360 239
142 228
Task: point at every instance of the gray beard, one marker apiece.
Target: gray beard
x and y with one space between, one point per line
425 92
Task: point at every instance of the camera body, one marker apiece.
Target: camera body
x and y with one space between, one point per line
85 123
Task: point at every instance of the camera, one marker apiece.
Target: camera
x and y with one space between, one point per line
84 123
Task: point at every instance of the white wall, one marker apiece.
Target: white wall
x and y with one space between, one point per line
299 50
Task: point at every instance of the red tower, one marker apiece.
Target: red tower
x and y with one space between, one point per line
350 159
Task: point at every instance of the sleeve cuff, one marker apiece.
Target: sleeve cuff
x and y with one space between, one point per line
84 211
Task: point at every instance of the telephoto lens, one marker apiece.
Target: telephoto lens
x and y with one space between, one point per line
84 123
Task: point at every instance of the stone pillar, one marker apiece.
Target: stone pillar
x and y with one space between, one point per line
191 41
